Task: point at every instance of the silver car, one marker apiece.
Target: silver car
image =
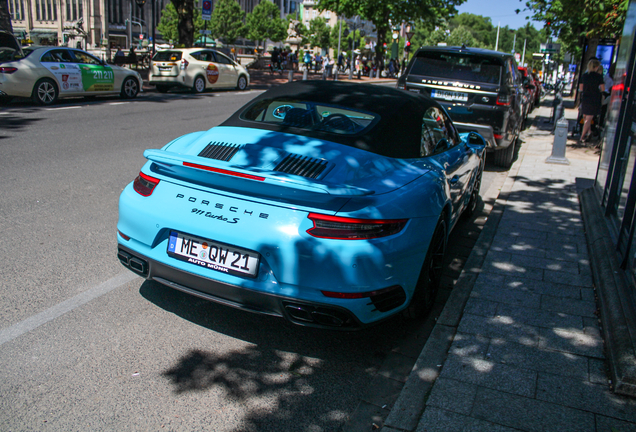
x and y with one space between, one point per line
197 69
48 73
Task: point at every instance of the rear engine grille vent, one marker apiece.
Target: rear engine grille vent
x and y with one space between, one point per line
388 299
302 165
220 151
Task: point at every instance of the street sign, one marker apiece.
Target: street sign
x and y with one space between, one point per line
550 48
409 35
205 32
206 10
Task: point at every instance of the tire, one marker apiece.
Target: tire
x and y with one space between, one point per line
503 157
474 194
162 88
199 85
129 88
241 83
430 275
45 92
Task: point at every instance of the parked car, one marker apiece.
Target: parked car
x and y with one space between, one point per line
531 85
197 69
48 73
326 203
479 88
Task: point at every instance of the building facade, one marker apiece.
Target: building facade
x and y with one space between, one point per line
93 24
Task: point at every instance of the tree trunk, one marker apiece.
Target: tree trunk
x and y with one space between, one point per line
5 18
185 12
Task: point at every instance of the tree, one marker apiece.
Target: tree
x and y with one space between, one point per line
385 13
264 22
185 21
319 33
5 17
572 21
227 21
168 26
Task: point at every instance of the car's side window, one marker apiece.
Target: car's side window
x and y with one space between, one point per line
438 134
210 56
57 56
81 57
199 55
220 58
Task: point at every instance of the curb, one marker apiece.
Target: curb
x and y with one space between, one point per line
411 403
614 300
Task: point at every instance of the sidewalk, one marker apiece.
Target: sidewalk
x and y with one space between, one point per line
518 346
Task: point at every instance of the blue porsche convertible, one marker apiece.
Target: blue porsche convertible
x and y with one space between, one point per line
326 203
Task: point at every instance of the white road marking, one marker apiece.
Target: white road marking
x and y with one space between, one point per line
35 321
119 103
63 108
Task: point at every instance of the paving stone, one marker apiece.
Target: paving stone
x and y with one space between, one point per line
521 249
489 374
452 395
568 305
527 234
542 287
581 280
546 264
510 269
480 307
539 317
570 340
529 414
438 420
533 358
608 424
598 373
469 345
588 294
489 280
586 396
500 328
504 295
576 257
383 391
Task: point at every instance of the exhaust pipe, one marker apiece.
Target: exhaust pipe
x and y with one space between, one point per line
138 265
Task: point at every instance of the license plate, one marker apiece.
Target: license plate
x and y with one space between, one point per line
165 68
450 95
414 90
213 255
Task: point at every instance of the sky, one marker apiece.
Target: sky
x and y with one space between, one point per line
500 11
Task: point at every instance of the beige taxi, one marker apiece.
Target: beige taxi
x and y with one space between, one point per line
197 69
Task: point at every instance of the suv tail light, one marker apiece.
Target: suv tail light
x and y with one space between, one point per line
503 100
7 69
342 228
144 184
184 64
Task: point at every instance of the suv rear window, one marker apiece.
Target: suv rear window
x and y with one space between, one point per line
167 56
458 66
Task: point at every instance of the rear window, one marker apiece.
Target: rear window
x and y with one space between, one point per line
458 66
311 116
167 56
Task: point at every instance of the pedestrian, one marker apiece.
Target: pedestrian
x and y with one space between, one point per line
119 52
307 60
317 62
132 56
275 59
591 88
294 59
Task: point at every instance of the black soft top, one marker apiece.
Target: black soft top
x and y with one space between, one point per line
396 134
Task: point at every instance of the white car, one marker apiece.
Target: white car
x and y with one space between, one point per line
197 69
48 73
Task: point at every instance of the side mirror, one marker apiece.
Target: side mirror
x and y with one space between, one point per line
476 139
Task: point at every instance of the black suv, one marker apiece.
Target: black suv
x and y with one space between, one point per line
479 88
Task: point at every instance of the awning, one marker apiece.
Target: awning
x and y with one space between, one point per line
42 33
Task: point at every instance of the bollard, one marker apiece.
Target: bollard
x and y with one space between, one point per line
350 73
559 143
371 73
305 75
290 78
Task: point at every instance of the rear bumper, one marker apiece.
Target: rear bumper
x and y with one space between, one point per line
177 81
301 312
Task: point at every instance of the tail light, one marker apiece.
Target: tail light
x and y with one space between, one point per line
7 69
503 100
144 184
342 228
184 64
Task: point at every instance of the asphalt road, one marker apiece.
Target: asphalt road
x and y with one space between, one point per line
87 345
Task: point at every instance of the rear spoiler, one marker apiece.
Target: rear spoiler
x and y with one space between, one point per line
223 175
483 130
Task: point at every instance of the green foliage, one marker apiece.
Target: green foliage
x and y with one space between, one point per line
319 33
572 20
265 22
168 26
226 21
384 12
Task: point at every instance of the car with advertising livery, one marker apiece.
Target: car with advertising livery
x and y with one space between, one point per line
481 90
197 69
326 203
46 74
